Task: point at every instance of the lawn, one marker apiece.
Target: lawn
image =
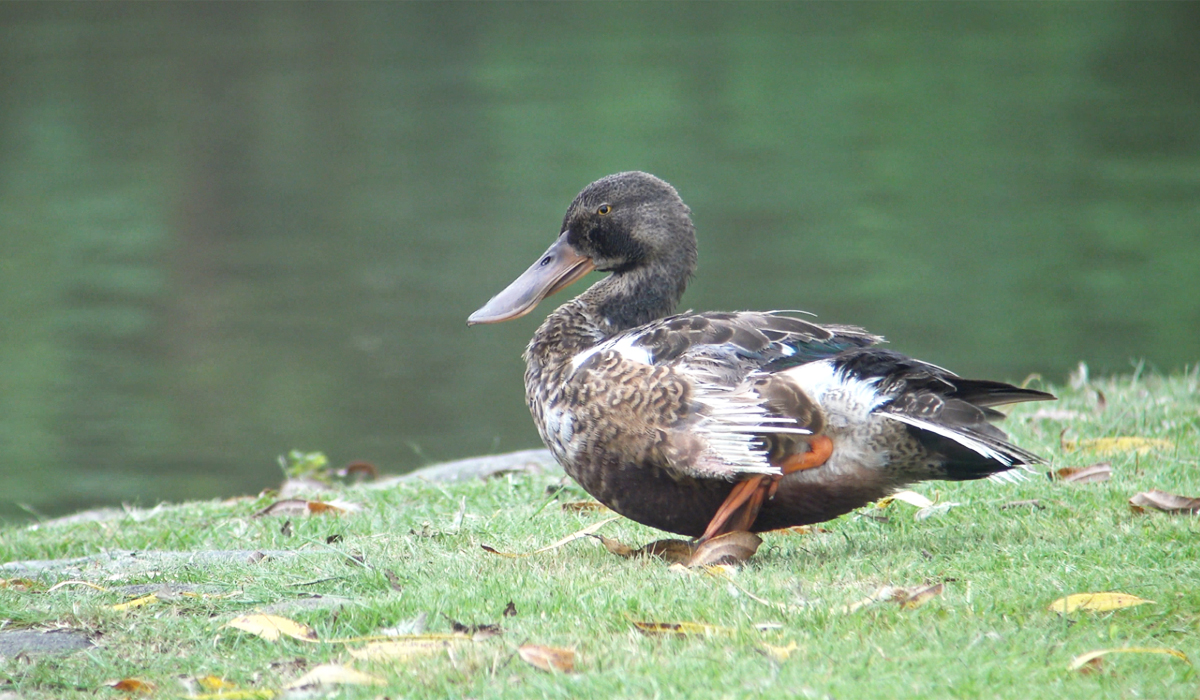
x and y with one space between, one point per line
798 619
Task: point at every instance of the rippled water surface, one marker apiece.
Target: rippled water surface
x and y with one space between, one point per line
230 230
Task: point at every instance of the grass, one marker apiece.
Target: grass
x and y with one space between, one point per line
988 635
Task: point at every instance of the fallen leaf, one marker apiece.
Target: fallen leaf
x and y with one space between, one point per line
401 649
133 685
934 511
881 594
1167 502
361 471
1096 602
616 546
136 603
921 596
680 629
800 530
21 585
1079 662
548 658
1117 445
779 653
1033 503
1092 474
334 674
480 631
215 683
510 610
269 627
670 550
584 506
300 506
912 498
63 584
729 548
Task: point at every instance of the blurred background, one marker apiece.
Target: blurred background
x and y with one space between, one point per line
229 230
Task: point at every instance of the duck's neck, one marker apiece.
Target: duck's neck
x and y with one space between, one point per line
615 304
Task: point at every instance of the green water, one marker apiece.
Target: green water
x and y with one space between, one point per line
230 230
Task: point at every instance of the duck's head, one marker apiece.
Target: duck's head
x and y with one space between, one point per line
628 224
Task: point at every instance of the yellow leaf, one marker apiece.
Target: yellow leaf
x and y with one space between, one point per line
334 674
133 685
1117 445
136 603
215 683
269 627
548 658
408 647
1096 602
682 629
1084 659
779 653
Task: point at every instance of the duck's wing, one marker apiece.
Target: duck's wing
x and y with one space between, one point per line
721 423
949 414
731 344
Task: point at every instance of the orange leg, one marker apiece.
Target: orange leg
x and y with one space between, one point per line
741 506
739 509
819 449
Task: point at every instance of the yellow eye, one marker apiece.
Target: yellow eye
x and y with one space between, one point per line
603 210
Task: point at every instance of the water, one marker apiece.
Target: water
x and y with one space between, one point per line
230 230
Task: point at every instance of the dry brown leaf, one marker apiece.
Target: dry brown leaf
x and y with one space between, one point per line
671 550
780 654
681 629
800 530
1096 602
729 548
133 685
1091 474
510 610
334 674
1117 445
1083 661
584 506
20 585
270 627
1167 502
921 596
408 647
615 546
548 658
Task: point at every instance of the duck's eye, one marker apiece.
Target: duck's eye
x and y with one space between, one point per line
603 210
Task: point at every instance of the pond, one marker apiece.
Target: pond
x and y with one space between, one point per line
232 230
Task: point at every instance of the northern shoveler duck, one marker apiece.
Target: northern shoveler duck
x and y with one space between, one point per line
707 423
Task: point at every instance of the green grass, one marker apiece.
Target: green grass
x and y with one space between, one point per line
988 635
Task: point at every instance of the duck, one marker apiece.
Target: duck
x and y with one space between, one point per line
703 424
